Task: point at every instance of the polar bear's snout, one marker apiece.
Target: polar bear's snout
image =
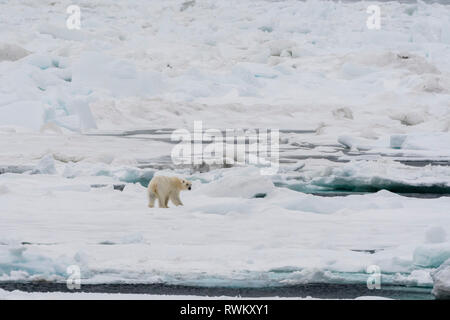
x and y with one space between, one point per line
186 185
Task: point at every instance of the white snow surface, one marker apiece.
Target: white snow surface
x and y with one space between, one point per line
441 278
307 65
49 222
229 63
20 295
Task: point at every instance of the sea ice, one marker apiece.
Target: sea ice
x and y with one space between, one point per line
298 65
12 52
435 234
441 279
46 165
431 255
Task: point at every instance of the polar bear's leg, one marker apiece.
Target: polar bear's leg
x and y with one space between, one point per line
161 202
166 201
175 198
151 199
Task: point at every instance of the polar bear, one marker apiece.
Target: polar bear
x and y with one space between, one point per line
165 188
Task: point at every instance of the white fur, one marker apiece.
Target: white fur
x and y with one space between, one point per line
165 188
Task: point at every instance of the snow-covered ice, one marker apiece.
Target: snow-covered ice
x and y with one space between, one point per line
138 64
362 99
219 235
441 278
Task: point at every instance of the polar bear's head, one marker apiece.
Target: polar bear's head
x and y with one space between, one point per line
185 185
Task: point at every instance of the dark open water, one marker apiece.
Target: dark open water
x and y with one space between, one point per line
318 290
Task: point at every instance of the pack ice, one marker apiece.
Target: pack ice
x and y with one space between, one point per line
357 101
